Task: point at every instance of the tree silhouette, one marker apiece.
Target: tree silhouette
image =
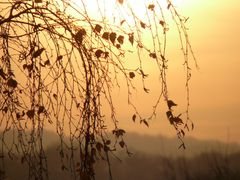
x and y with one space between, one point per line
58 67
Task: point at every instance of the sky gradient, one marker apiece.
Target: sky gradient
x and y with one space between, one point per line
214 30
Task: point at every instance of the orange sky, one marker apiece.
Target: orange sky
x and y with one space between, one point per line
214 29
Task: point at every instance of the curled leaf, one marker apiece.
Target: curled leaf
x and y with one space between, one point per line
145 122
134 117
55 96
170 104
146 90
120 39
121 23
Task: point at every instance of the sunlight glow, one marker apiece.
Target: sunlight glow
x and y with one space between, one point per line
114 11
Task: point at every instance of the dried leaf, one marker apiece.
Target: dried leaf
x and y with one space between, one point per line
151 7
145 122
121 23
38 1
41 109
5 109
153 55
163 58
169 5
131 38
170 104
99 146
2 74
59 57
106 148
120 1
182 146
162 23
30 113
143 74
55 96
98 53
47 63
38 53
120 39
143 25
105 35
146 90
113 37
183 133
97 28
12 83
119 132
108 142
131 75
192 126
106 54
30 67
118 46
169 114
177 120
134 117
80 35
122 144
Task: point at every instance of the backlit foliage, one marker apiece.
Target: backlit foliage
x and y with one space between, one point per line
58 67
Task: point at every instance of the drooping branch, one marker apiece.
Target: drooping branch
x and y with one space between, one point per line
58 68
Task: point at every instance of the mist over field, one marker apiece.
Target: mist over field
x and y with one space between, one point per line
152 158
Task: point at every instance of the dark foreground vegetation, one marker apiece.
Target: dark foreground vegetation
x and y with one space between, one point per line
156 159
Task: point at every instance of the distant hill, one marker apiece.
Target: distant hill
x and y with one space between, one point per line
155 145
154 158
161 145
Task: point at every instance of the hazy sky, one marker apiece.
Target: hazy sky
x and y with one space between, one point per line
215 32
214 28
